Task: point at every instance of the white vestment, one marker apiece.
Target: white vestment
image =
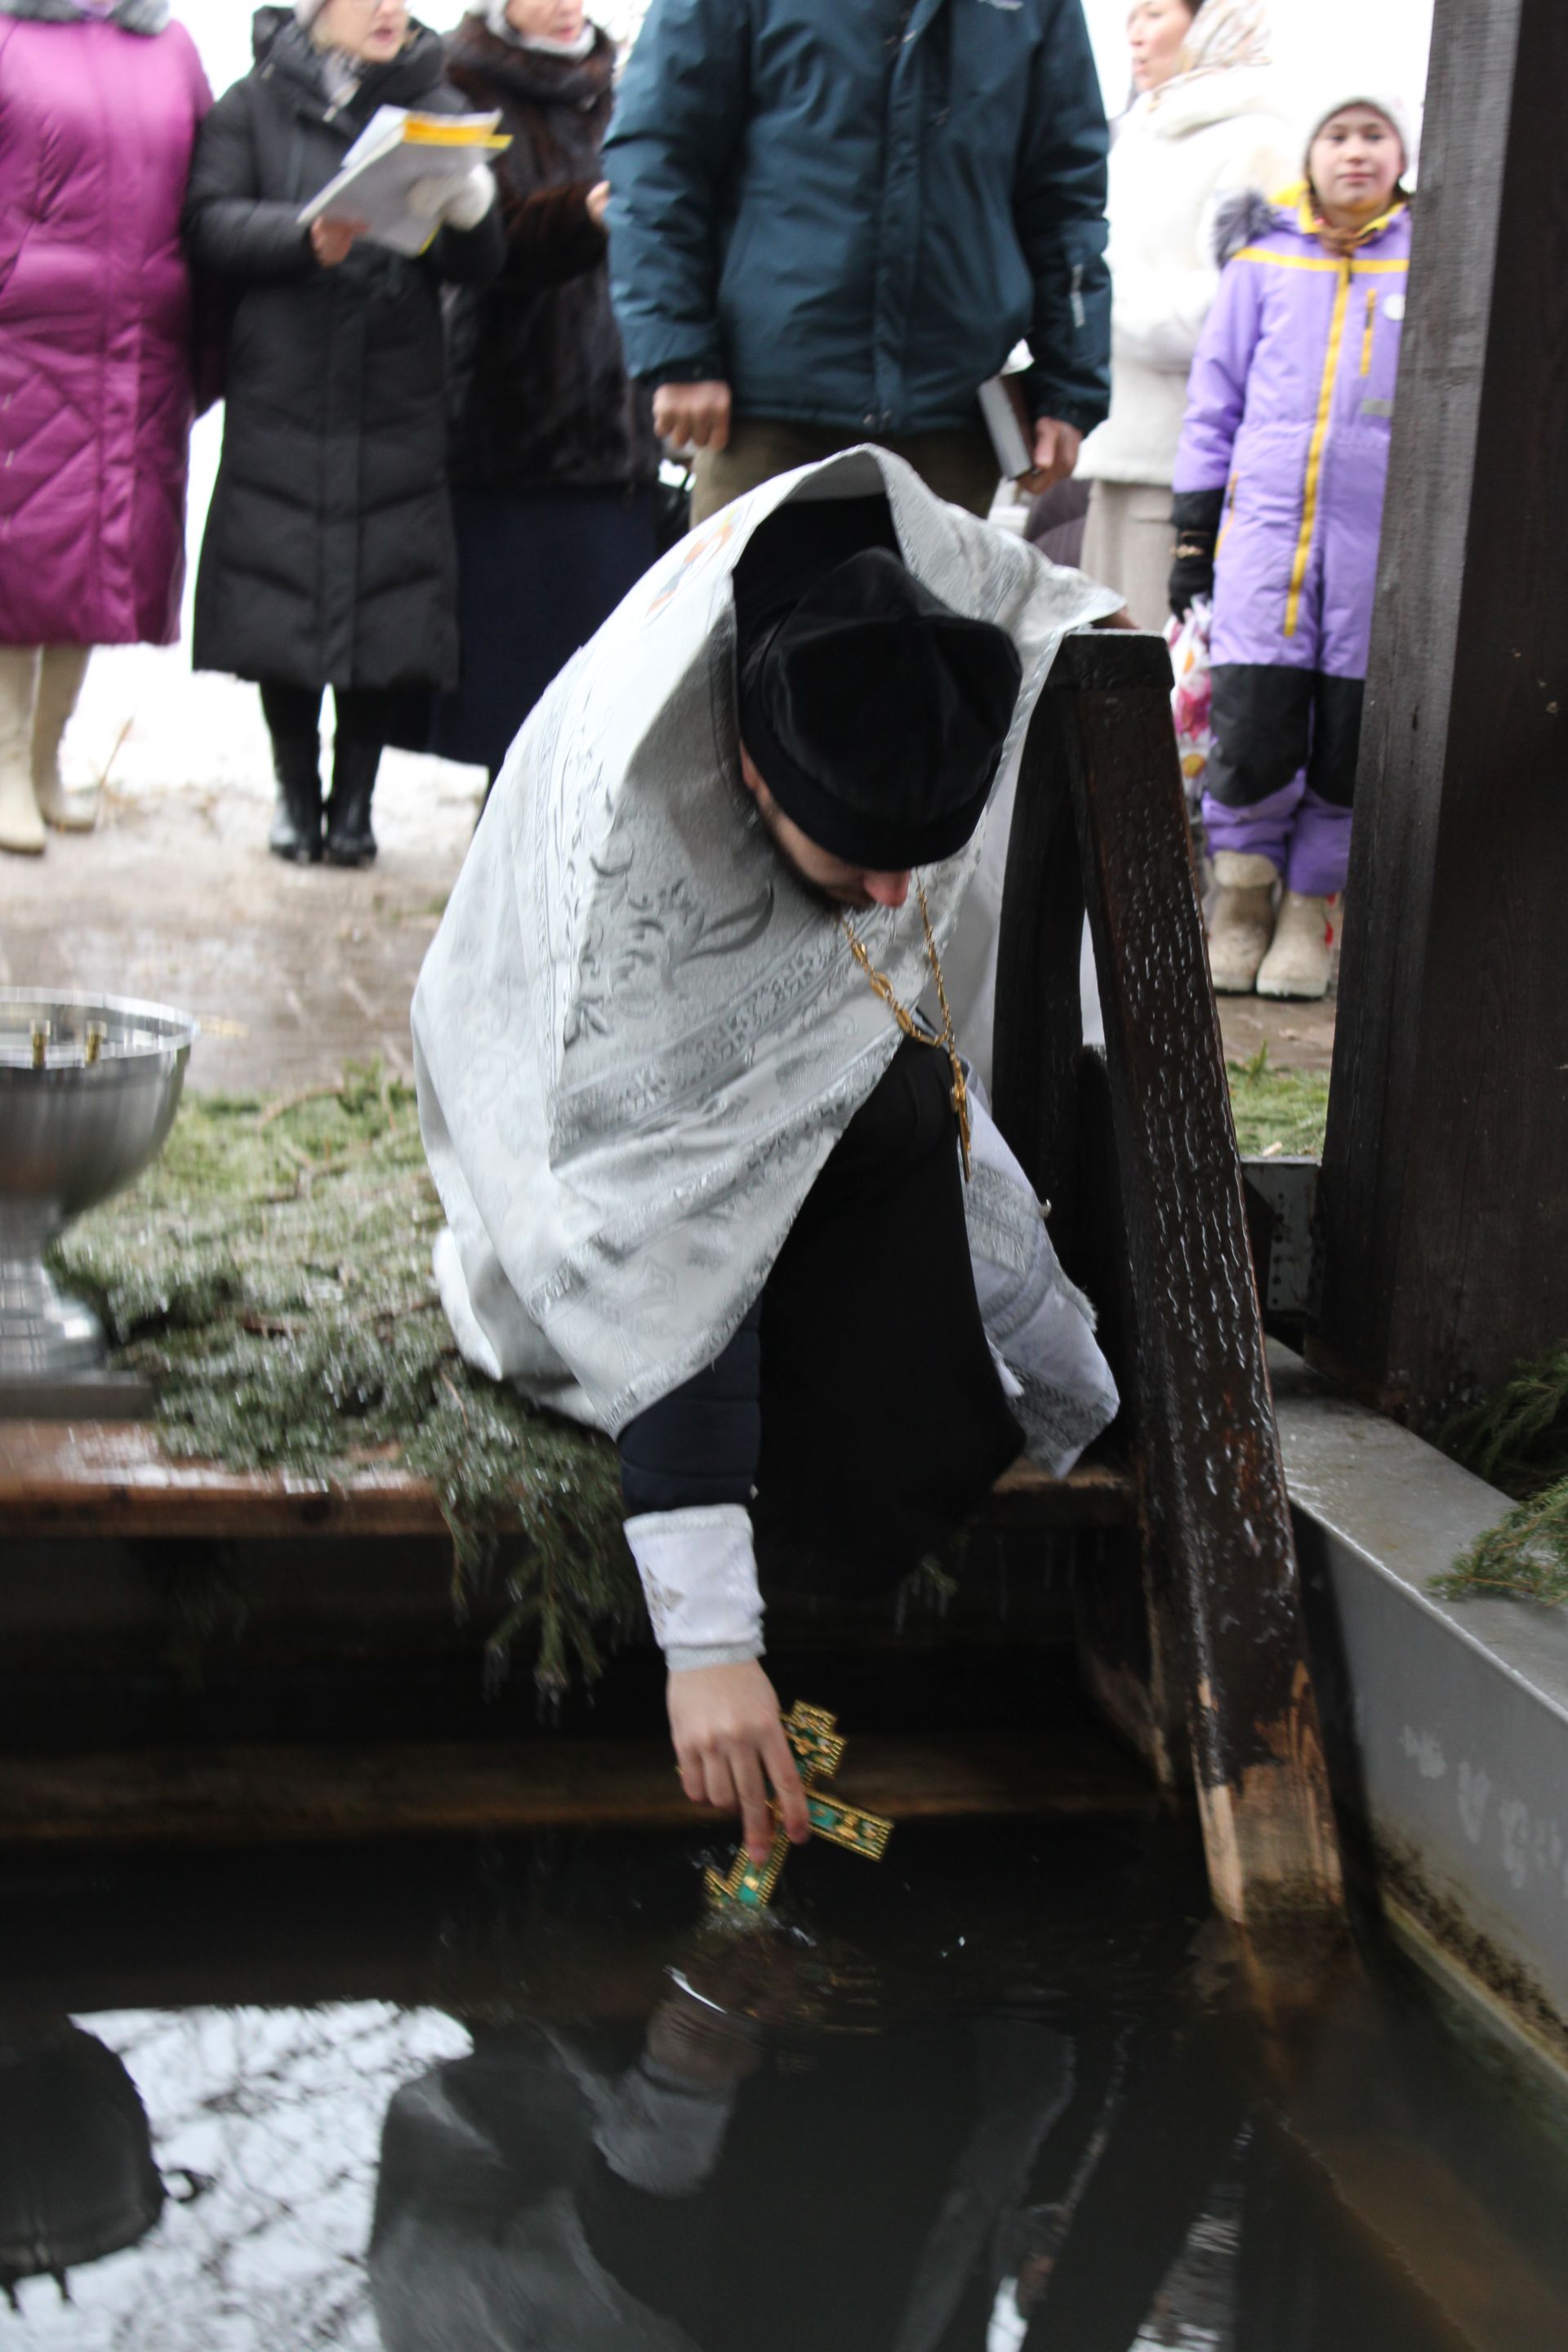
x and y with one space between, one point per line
637 1036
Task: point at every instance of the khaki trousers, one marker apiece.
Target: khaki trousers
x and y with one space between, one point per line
1128 542
960 466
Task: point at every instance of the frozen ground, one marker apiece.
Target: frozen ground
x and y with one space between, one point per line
292 971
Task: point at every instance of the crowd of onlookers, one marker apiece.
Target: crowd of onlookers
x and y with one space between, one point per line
787 226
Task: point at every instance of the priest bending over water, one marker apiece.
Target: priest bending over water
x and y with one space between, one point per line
716 1180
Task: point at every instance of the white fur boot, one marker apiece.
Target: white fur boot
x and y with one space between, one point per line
1298 963
21 827
60 683
1241 920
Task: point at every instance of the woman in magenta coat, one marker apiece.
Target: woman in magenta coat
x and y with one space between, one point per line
99 100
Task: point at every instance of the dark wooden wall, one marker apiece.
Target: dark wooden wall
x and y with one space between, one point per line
1446 1170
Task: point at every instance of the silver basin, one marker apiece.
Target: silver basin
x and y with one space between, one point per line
89 1088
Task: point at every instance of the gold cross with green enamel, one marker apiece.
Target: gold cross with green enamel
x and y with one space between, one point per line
818 1749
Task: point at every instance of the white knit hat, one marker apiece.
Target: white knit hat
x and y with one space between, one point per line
308 11
1395 108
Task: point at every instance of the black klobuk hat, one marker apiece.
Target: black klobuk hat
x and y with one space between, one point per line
875 713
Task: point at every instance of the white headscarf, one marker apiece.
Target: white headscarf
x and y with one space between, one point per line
1226 34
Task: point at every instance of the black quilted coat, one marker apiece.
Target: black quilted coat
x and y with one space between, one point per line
539 391
329 555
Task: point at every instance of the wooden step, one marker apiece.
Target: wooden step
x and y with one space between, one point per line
261 1794
86 1478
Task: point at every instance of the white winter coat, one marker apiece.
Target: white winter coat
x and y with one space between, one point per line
1180 152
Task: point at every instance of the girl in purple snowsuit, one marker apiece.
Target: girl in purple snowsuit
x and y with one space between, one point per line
1279 487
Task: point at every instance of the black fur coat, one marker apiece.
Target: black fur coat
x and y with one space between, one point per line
540 392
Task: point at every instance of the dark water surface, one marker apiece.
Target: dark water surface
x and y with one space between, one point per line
1001 2091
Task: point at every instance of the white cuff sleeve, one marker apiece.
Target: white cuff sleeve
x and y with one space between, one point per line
700 1579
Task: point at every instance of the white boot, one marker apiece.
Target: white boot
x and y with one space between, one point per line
60 683
21 827
1298 962
1241 920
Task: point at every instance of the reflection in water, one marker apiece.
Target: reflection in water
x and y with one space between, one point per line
78 2179
720 2192
1004 2102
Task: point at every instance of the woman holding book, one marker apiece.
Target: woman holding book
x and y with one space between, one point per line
553 456
329 556
99 100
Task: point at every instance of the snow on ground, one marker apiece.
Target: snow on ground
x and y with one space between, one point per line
152 725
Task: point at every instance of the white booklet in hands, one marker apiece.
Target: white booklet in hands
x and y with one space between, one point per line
392 153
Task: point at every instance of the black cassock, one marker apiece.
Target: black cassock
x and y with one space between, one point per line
860 1399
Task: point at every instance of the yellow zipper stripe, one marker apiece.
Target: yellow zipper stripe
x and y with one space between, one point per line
1229 515
1359 267
1315 453
1286 260
1370 322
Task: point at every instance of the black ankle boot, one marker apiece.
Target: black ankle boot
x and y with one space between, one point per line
296 828
350 841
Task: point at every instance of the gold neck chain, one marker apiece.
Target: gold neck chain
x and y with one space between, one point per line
883 987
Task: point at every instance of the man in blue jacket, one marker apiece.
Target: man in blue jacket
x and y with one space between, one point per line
832 220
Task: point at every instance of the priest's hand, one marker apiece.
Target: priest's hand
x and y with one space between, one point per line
730 1744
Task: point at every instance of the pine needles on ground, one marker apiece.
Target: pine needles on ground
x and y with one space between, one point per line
1517 1440
1524 1557
271 1275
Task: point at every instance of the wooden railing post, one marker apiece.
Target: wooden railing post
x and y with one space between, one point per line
1444 1205
1193 1368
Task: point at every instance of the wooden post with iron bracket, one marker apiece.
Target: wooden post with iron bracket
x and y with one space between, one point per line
1138 1155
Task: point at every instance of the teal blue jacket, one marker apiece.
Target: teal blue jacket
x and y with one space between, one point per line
853 210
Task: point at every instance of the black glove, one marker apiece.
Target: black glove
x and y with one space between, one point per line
1197 516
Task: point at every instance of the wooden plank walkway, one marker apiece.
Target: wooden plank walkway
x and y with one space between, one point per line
262 1794
76 1478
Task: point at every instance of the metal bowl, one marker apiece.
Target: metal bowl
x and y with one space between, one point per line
89 1088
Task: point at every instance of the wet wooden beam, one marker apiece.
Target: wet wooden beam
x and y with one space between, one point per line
75 1478
262 1794
1218 1520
